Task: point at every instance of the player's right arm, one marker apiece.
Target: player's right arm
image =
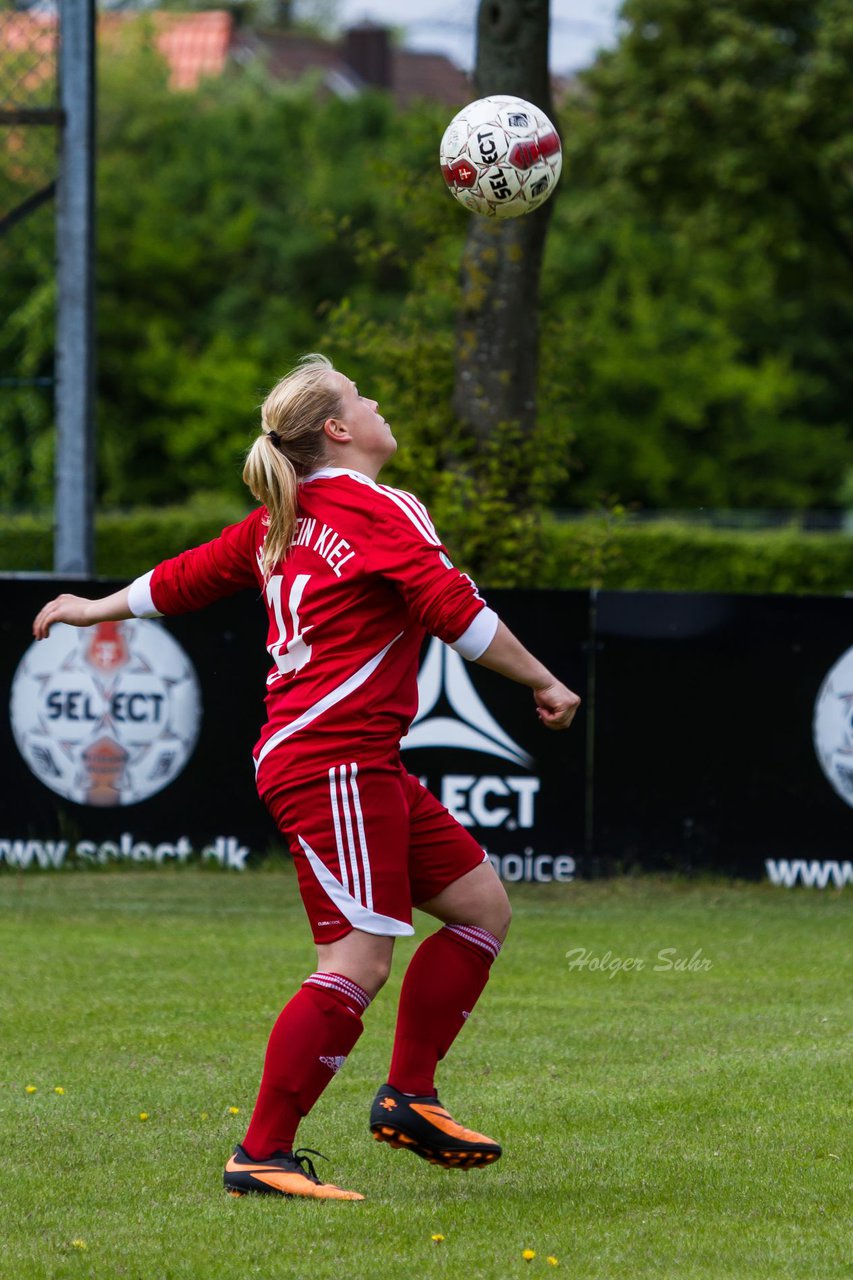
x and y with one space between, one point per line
187 582
79 612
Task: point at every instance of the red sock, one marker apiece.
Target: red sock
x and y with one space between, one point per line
310 1041
443 982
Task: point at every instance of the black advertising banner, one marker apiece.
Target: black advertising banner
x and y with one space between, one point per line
724 734
716 733
478 745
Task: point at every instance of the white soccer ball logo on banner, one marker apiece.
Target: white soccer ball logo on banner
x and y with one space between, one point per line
833 726
501 157
106 716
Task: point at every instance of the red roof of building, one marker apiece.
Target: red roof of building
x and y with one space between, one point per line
195 45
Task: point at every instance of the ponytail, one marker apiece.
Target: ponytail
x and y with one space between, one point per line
290 446
270 475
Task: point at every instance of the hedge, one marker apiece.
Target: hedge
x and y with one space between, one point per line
127 543
576 554
678 557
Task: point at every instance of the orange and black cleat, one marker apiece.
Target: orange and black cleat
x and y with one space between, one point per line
288 1174
422 1125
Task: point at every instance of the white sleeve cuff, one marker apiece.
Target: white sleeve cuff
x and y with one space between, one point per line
139 598
474 642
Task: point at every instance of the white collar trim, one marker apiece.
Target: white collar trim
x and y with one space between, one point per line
331 473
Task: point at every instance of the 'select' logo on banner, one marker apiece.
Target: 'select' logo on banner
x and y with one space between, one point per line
107 715
443 671
484 801
833 726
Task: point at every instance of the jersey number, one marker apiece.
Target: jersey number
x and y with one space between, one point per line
289 652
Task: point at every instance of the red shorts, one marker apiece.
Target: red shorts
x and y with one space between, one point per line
369 842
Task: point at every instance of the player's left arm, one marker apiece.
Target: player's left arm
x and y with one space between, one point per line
555 703
77 611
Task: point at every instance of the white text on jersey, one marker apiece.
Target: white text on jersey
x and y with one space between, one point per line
328 543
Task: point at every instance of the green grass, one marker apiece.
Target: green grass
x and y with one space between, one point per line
678 1124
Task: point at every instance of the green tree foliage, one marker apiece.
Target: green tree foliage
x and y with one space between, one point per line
27 332
229 221
674 405
706 254
234 217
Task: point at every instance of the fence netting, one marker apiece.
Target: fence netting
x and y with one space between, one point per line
29 156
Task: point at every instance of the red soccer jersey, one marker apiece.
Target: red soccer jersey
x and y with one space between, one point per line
365 577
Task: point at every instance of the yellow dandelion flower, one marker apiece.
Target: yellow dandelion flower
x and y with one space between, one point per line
143 1115
58 1089
31 1088
205 1116
552 1261
528 1254
233 1111
437 1238
78 1244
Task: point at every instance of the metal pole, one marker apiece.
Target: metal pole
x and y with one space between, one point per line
75 363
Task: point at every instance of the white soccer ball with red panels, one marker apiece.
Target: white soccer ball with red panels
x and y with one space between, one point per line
501 157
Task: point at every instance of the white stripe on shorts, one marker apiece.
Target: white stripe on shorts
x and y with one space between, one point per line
350 836
352 851
355 912
362 839
336 822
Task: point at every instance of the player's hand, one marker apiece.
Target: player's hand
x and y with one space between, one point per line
556 705
65 608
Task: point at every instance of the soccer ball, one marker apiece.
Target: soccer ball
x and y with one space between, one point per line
501 157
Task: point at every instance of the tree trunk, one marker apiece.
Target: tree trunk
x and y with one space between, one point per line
497 329
283 10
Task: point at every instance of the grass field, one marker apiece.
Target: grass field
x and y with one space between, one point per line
666 1123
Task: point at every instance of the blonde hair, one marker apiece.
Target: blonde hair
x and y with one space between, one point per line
290 446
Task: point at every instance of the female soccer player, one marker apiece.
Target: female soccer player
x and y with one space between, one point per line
353 575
